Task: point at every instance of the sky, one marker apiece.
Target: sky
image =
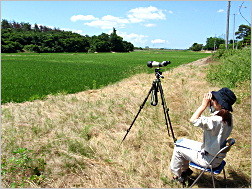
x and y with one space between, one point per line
156 24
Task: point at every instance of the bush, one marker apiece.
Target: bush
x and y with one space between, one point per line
234 67
230 46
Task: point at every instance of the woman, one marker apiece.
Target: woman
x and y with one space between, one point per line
216 128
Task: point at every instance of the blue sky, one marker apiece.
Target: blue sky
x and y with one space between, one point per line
158 24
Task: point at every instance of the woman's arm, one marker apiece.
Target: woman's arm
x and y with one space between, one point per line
206 99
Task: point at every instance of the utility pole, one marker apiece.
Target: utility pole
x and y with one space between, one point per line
227 29
234 33
215 42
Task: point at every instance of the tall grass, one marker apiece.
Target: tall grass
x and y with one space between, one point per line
234 67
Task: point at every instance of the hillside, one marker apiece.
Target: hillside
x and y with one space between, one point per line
74 140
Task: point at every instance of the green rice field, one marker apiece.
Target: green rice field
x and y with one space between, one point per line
30 76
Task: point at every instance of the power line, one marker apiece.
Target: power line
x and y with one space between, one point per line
241 13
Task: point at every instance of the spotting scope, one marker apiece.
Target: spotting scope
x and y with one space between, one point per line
152 64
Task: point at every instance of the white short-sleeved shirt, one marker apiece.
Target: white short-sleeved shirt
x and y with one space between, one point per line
215 132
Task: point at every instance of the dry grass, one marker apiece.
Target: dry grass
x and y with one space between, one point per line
78 136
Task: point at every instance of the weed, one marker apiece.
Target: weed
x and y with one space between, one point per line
80 148
22 167
85 132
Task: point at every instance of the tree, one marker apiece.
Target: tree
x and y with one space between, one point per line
25 26
118 45
244 33
32 48
101 43
5 24
128 46
102 46
116 42
16 25
36 28
213 43
10 47
196 47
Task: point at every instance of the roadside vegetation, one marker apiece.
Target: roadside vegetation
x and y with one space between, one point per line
233 67
73 140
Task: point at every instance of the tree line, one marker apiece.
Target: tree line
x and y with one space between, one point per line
23 37
214 43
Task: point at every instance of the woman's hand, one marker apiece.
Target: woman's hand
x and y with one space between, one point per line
206 100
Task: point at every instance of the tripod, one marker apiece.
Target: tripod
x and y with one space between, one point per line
155 88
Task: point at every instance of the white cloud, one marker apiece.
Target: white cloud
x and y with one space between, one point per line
101 24
142 14
108 22
115 19
75 18
158 41
149 25
171 12
136 39
137 15
221 10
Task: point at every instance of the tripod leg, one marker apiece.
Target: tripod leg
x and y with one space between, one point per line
166 113
164 107
141 107
154 95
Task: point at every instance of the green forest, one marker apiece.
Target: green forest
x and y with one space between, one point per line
23 37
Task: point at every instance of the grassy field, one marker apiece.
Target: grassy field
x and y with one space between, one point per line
30 76
73 140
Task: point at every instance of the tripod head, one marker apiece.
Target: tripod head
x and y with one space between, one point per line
157 65
155 87
158 73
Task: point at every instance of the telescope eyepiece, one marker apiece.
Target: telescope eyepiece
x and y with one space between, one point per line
152 64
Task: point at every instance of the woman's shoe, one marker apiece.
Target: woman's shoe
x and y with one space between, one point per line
187 173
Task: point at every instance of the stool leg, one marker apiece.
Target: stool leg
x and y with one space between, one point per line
197 178
225 178
213 179
212 176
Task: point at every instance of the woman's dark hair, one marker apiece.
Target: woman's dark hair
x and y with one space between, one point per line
226 116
